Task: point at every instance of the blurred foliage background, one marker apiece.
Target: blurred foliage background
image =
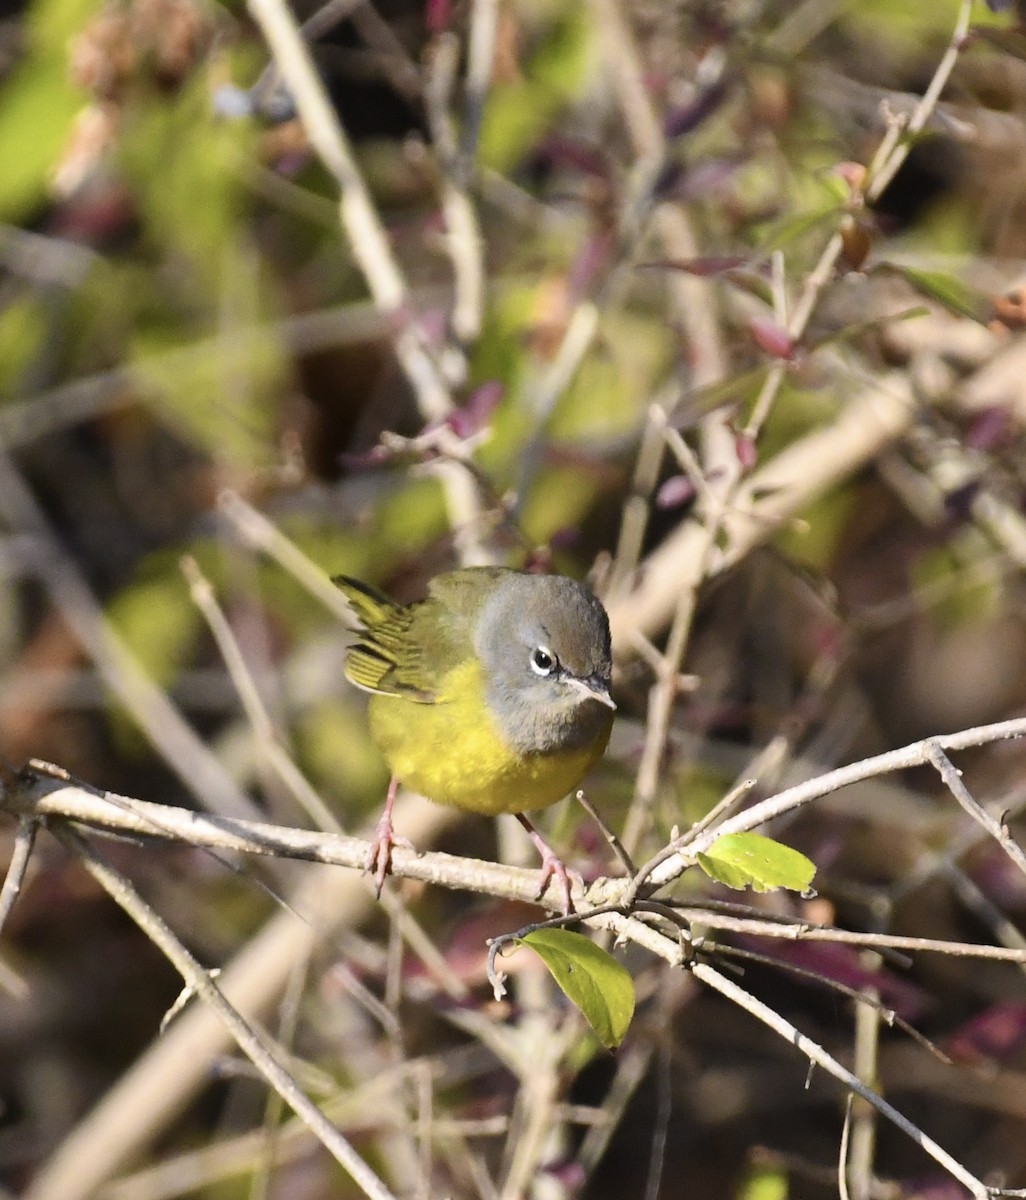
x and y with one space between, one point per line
187 342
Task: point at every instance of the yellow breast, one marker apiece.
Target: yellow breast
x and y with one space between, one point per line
451 751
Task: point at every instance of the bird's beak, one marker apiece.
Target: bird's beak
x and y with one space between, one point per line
593 689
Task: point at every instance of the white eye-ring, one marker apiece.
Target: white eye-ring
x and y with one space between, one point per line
543 661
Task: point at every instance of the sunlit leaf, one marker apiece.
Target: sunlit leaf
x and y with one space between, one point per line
741 860
158 622
600 987
38 104
520 111
764 1183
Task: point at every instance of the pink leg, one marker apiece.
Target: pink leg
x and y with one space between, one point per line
553 866
384 839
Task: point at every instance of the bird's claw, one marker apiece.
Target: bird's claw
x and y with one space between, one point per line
379 857
553 867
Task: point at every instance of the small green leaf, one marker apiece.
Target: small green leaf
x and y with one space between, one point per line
790 229
948 290
736 389
764 1183
742 860
591 978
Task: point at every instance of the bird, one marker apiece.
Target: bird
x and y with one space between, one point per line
491 694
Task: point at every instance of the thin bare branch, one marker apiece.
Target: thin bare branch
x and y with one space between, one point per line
249 1040
817 1055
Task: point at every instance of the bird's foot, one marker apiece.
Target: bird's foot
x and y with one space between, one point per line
379 857
553 867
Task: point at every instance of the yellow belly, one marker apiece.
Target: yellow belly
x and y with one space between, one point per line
451 752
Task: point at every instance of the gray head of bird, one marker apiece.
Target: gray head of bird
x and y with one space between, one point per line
544 643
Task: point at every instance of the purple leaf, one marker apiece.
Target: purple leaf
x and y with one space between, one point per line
707 178
436 15
772 338
990 428
995 1034
573 152
690 116
747 451
479 406
674 492
842 964
703 267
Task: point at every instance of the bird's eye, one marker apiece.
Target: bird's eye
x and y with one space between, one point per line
543 661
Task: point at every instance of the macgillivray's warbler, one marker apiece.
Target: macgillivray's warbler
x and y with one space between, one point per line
491 694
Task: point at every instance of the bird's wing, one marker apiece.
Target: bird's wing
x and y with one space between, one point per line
404 650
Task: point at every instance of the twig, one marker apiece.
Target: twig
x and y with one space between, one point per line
715 814
794 929
842 1152
997 829
257 531
916 754
463 233
608 833
281 762
865 999
817 1055
484 22
123 814
367 238
24 840
862 1118
177 743
768 498
887 161
893 153
161 1081
693 304
43 796
246 1036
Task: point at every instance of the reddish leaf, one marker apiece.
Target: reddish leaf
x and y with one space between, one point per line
990 429
474 414
772 338
674 492
747 451
437 15
853 174
690 116
703 267
993 1034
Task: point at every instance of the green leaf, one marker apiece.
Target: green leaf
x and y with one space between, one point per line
764 1183
38 104
948 290
520 112
789 229
591 978
742 860
221 393
158 623
736 389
